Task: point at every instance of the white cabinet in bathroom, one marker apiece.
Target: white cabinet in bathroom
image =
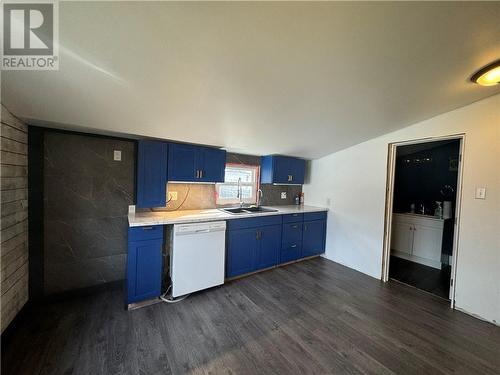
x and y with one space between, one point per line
402 237
417 238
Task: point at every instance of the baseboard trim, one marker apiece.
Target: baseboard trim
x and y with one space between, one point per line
82 292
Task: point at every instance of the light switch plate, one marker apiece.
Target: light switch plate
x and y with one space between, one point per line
172 195
480 193
117 155
283 195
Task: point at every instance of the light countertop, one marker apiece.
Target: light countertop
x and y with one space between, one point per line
420 216
139 219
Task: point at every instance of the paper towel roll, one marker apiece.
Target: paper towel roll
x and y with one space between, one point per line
447 212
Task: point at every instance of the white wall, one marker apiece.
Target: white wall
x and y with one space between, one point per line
354 180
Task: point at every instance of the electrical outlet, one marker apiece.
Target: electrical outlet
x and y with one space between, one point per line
283 195
480 193
172 195
117 155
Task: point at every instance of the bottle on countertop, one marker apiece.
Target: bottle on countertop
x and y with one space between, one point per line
302 198
296 200
439 210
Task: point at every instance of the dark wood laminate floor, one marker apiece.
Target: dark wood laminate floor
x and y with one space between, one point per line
314 317
422 277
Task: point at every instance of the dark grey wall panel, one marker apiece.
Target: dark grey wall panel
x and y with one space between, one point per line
86 197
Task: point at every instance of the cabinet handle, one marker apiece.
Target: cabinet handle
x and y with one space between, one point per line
411 228
147 228
293 246
201 173
197 174
305 227
291 177
295 226
295 215
257 234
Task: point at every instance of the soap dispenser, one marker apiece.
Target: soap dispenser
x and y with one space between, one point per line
438 212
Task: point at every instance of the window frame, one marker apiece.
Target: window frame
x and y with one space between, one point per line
231 202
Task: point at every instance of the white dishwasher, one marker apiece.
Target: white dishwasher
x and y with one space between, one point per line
197 256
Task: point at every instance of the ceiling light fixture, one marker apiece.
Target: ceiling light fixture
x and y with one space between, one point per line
488 76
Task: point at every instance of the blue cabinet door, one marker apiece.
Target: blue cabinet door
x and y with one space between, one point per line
277 169
297 169
313 239
241 249
211 163
269 243
182 163
151 174
144 270
281 170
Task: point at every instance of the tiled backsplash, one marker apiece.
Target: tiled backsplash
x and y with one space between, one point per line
200 196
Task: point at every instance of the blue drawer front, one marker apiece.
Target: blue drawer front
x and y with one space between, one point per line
293 218
151 232
291 252
292 233
315 216
253 222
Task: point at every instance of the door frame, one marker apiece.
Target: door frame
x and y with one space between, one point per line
391 168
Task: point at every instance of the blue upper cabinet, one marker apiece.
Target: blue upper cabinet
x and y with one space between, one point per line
152 174
189 163
277 169
182 162
212 164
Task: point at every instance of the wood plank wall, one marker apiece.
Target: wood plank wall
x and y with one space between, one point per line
14 216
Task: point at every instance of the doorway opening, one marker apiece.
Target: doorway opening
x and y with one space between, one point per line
422 214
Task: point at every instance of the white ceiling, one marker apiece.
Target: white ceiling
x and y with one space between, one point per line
303 79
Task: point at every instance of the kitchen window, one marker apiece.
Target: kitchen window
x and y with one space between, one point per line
227 192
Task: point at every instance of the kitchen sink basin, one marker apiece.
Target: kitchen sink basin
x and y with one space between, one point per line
247 210
236 210
259 209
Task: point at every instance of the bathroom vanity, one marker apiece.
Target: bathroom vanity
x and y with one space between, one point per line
417 238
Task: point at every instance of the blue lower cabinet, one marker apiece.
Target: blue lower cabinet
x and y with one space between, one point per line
291 243
144 263
252 244
241 247
291 252
313 239
269 240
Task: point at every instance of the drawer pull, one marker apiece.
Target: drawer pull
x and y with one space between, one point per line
295 226
295 215
147 228
293 246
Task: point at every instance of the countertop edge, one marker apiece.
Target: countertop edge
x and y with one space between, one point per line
144 221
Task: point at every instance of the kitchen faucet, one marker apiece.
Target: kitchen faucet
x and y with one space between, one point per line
260 194
240 192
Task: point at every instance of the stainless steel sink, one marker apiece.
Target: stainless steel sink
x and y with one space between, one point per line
247 210
236 210
259 209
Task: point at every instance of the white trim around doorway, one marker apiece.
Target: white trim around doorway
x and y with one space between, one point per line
391 165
